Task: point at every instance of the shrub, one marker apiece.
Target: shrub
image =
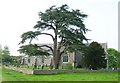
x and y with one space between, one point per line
68 66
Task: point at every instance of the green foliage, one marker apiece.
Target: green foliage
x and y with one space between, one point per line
6 58
67 66
67 25
0 54
94 56
16 60
114 58
5 55
33 50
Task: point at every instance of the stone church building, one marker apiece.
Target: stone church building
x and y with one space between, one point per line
75 58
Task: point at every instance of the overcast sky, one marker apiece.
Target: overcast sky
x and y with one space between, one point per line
18 16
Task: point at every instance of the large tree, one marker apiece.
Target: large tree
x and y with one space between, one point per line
94 56
67 25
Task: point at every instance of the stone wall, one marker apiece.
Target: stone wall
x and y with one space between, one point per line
23 70
68 71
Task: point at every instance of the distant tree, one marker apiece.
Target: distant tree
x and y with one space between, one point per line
6 55
16 60
114 58
0 53
67 25
94 56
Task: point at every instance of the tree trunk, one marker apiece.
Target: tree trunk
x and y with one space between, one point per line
55 56
56 52
57 60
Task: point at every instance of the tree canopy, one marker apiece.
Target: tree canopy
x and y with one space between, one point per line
114 58
67 25
5 55
94 56
33 50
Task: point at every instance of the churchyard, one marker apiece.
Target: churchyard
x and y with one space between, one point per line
69 59
10 75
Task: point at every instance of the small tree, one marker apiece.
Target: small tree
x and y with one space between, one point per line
94 56
0 54
114 58
6 59
16 60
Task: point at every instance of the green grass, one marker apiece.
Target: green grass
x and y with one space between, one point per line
10 75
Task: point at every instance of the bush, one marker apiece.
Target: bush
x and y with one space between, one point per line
68 66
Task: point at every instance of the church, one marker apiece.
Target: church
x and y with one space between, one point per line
75 58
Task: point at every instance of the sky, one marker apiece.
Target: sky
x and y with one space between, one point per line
19 16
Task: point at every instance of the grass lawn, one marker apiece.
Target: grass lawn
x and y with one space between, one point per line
10 75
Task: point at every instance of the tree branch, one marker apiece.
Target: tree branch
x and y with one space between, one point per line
62 52
47 47
60 44
30 40
47 34
44 25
